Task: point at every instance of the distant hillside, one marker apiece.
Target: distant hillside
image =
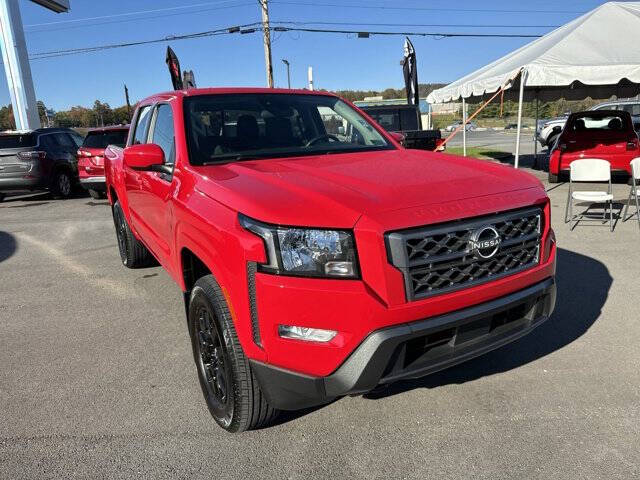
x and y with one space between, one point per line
355 95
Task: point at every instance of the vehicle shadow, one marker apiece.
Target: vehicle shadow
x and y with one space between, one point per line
8 245
583 286
37 197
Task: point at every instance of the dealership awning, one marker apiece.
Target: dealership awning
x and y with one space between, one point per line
595 56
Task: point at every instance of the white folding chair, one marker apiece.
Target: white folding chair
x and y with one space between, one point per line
589 170
635 190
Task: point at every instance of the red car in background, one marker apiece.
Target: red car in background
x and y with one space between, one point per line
605 134
91 157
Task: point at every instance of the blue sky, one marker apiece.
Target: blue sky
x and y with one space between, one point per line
339 61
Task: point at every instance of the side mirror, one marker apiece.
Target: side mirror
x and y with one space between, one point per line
557 129
397 136
145 156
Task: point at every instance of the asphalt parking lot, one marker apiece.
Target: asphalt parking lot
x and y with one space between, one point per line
500 140
97 378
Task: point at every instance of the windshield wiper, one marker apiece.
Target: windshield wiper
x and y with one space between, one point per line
232 157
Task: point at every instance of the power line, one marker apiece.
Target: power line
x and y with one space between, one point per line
181 7
361 33
90 25
447 25
430 9
254 27
169 38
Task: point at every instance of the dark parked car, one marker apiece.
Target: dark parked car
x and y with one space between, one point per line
42 159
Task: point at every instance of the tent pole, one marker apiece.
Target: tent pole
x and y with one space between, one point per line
464 127
535 134
522 78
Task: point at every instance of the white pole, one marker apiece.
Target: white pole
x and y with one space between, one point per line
522 80
464 127
535 134
16 65
310 75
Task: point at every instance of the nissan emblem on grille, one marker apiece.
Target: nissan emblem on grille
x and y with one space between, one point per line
485 242
442 258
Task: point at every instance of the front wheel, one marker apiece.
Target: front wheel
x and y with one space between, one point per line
230 388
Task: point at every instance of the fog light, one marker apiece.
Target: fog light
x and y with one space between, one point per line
306 334
339 269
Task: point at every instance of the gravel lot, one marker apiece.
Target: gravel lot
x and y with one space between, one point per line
97 379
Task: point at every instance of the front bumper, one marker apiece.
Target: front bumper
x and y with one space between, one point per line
415 349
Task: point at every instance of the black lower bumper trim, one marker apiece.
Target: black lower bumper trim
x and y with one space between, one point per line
415 349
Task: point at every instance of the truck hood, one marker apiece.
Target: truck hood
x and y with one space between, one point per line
336 190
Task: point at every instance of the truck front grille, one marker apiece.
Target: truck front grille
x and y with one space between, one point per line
447 257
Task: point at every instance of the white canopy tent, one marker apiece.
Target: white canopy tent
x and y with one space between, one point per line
595 56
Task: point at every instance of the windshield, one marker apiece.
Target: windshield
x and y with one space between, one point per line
222 128
17 140
609 121
104 138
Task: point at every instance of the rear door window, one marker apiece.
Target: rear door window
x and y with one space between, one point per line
65 141
142 125
17 141
102 139
163 134
47 142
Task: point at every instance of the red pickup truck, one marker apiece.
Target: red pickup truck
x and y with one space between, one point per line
315 265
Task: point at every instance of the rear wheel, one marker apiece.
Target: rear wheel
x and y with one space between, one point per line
96 194
2 197
132 252
62 186
230 388
551 141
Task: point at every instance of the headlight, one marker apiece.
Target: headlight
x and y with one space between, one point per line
306 251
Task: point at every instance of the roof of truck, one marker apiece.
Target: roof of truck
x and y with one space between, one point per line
236 90
108 128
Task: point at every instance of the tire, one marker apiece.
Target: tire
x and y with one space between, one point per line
230 388
551 141
132 252
95 194
2 197
62 186
553 178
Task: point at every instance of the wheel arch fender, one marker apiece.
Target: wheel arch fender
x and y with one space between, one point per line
214 256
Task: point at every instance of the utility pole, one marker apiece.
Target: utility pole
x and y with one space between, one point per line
267 41
286 62
126 96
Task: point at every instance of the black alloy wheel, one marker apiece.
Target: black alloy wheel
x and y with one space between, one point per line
212 360
121 232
